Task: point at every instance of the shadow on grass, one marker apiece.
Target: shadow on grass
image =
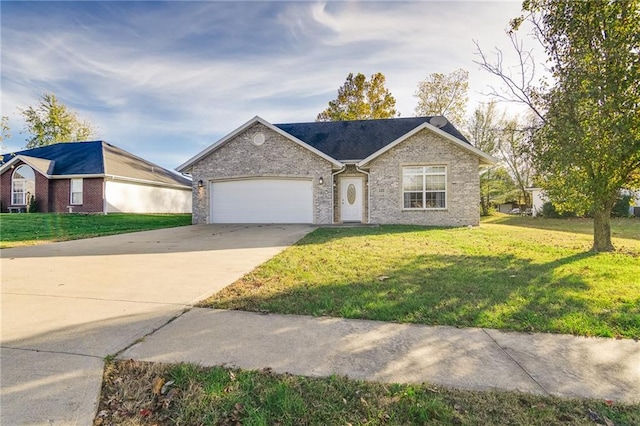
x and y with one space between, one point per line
628 228
502 292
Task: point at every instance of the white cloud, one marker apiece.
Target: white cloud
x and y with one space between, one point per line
177 76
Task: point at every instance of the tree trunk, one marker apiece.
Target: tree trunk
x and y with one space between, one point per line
602 231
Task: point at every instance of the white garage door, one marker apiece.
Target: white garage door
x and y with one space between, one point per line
262 201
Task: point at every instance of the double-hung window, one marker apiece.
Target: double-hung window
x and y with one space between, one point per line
76 191
424 187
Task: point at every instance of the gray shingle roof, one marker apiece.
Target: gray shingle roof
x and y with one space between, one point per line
99 158
357 139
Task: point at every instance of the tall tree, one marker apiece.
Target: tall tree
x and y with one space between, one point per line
496 187
52 121
514 149
483 127
588 147
359 99
444 94
4 134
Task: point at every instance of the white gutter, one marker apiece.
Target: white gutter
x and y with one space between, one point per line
368 193
152 182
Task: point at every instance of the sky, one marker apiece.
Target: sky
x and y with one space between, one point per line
165 80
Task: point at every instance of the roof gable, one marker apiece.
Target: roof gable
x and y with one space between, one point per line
186 165
485 159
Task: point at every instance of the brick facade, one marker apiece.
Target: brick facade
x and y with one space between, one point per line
60 196
425 148
276 157
382 178
53 195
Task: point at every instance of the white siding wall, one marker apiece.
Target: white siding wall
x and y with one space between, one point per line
538 199
127 197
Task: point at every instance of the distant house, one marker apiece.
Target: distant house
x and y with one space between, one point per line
417 170
89 177
538 198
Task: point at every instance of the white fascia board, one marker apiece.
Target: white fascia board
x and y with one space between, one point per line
257 119
301 143
184 166
485 158
148 182
95 175
33 164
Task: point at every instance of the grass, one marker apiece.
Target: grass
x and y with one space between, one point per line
523 274
138 393
36 228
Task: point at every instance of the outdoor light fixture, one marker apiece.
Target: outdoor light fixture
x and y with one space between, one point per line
200 183
321 181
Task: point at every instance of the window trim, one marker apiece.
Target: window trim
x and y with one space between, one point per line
71 191
424 191
25 189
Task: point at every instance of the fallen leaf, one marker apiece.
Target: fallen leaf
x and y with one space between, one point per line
158 382
145 412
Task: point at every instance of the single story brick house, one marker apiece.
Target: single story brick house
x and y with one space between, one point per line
89 177
391 171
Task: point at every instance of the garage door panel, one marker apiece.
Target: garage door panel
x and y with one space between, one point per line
262 201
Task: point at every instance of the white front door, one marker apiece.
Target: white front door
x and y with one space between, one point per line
351 199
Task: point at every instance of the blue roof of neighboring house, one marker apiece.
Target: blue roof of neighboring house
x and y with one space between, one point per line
357 139
76 158
98 158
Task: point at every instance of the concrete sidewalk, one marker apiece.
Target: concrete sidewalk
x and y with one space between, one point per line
470 358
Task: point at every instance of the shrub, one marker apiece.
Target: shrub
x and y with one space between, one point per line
621 207
32 206
549 210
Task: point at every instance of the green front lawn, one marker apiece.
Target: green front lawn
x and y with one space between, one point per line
35 228
525 274
138 393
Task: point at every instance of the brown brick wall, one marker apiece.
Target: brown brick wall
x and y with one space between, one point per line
60 196
5 190
52 195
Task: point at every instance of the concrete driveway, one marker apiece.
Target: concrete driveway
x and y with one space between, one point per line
65 306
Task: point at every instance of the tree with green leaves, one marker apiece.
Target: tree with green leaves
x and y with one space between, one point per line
359 99
444 94
588 147
4 134
496 187
52 121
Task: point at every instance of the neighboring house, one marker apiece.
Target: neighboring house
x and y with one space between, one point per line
538 198
402 170
89 177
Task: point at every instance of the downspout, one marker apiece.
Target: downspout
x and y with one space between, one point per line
104 196
368 193
333 207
